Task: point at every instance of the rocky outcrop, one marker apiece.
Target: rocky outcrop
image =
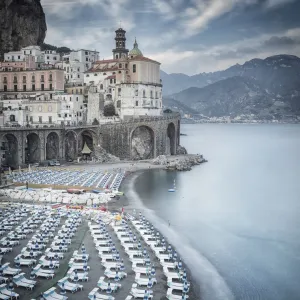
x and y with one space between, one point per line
101 155
181 150
22 23
142 143
180 163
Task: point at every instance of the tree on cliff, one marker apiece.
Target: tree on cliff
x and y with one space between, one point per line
109 110
45 46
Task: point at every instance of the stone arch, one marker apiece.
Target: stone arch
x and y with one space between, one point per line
11 153
142 143
70 145
88 137
52 146
178 133
33 148
171 139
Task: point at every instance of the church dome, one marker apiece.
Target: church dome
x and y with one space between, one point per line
135 51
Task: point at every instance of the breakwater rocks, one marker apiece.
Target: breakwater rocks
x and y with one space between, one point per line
55 196
179 163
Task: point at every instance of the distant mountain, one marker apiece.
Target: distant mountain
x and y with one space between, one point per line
266 89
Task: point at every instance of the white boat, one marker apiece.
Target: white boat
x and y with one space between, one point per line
173 189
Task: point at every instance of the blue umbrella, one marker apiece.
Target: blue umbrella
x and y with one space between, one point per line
150 283
113 248
169 249
179 266
174 255
51 266
76 276
152 271
184 276
117 256
85 267
117 278
147 260
145 252
63 290
32 274
134 238
185 287
56 256
31 253
146 296
121 266
139 245
17 261
108 290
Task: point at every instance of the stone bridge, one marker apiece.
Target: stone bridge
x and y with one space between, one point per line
138 138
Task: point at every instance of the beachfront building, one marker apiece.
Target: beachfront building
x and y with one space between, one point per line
17 81
130 80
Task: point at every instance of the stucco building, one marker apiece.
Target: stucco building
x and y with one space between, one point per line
130 80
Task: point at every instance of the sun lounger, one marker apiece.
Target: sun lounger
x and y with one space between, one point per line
24 262
47 263
7 270
134 253
39 272
55 248
20 280
4 250
171 296
140 293
77 266
82 276
51 295
112 274
94 294
6 292
102 243
176 285
77 256
52 255
142 270
69 286
104 285
143 281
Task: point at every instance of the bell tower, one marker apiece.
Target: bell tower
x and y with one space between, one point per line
120 51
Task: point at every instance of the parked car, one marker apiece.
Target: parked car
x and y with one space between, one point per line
57 163
51 163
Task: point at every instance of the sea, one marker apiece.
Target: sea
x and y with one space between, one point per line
234 220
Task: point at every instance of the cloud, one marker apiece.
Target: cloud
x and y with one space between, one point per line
281 41
276 3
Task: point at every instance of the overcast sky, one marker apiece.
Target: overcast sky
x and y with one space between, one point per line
186 36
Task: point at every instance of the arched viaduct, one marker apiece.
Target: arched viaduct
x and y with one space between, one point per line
141 138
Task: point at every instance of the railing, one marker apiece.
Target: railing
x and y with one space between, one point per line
29 89
165 116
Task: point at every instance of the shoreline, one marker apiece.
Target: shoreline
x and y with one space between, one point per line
129 206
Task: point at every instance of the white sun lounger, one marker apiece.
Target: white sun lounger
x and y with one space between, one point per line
55 248
82 276
69 286
103 285
51 294
39 272
112 274
137 260
26 254
134 253
109 265
104 249
94 294
5 291
143 281
138 293
46 263
102 243
7 270
24 262
50 254
78 256
77 266
5 250
171 296
142 270
175 285
20 280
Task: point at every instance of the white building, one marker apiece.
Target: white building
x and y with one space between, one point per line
130 80
87 57
51 57
73 70
43 111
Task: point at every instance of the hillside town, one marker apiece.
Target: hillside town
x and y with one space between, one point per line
47 89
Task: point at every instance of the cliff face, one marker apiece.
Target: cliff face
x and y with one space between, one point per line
22 23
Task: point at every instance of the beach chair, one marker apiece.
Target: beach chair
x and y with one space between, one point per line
7 292
47 263
104 285
52 295
172 296
80 257
112 274
176 285
77 266
144 281
139 293
20 280
53 255
7 270
141 270
24 262
3 279
39 272
94 294
82 276
69 286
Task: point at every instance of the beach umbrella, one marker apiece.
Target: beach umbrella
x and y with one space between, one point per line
139 245
32 274
117 278
113 248
56 256
152 271
31 252
85 266
174 255
121 266
147 260
150 283
108 290
185 287
145 252
51 266
117 256
10 285
146 295
63 290
163 242
170 255
42 297
169 249
75 276
184 275
17 261
84 258
82 248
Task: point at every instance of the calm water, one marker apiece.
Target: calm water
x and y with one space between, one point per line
236 219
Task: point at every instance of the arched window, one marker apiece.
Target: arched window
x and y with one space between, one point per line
144 93
101 86
136 92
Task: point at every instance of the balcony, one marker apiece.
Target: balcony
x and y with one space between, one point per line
50 79
4 81
42 80
15 81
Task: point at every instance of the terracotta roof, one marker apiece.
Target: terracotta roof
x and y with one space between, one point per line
106 61
143 58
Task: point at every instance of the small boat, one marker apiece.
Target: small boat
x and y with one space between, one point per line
75 191
173 189
98 192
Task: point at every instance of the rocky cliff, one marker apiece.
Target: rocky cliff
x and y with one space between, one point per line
22 23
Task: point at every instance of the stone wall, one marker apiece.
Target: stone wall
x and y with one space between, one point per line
140 138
